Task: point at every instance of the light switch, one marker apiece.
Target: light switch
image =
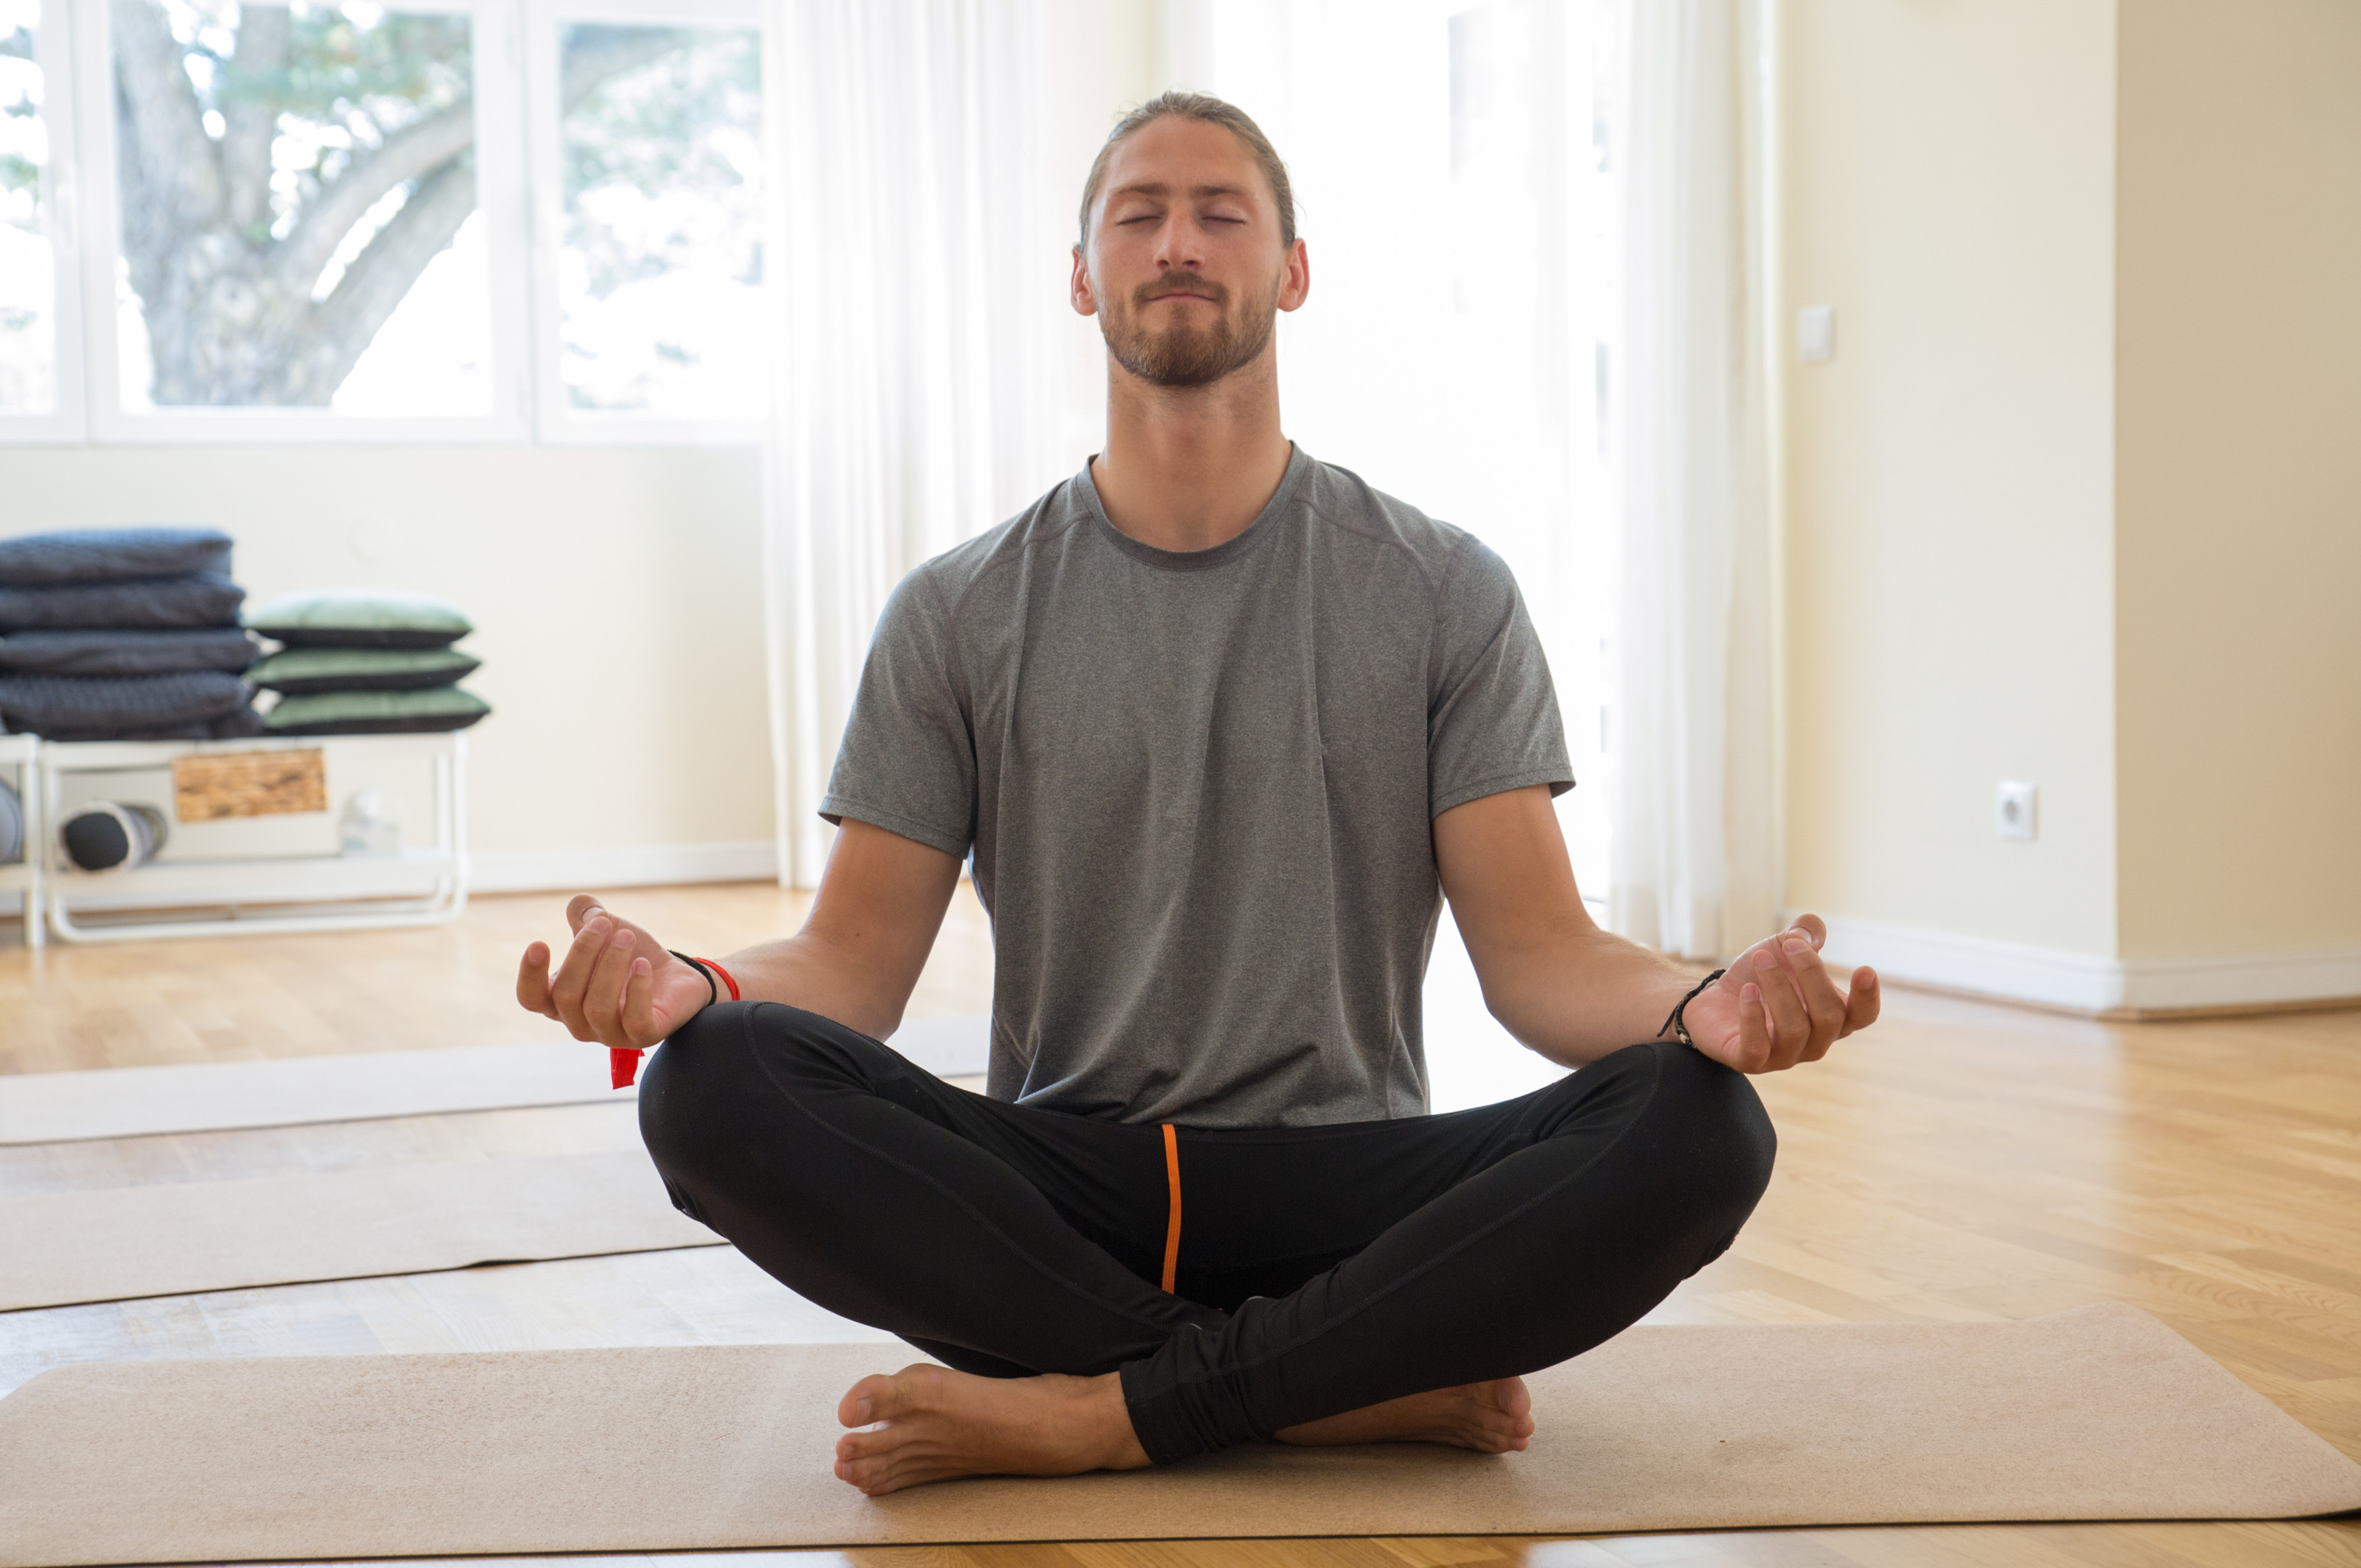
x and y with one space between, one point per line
1816 333
2013 804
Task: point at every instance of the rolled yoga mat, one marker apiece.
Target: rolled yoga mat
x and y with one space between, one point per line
118 1244
2098 1413
200 1097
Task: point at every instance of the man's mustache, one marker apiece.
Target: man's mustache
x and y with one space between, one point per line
1214 291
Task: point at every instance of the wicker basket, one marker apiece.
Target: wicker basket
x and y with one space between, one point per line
208 788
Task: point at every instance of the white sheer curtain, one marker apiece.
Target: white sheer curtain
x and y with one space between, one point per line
1452 163
917 260
1694 839
1455 163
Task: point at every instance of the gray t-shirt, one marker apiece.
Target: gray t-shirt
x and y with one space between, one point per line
1197 788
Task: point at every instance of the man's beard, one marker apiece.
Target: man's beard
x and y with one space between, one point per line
1183 356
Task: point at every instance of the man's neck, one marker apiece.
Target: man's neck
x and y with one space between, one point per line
1191 467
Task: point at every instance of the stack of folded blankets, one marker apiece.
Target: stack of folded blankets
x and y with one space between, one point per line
365 661
123 634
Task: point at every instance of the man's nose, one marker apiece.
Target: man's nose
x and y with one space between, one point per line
1180 243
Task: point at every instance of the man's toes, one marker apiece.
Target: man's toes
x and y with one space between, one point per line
878 1474
855 1446
1496 1437
872 1475
1505 1418
1507 1439
867 1400
883 1397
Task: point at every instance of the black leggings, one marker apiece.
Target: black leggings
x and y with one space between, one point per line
1319 1270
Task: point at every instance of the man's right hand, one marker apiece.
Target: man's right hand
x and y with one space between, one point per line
617 985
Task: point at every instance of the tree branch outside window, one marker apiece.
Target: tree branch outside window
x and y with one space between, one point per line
288 174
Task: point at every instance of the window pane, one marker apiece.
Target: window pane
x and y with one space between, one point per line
28 273
661 262
300 224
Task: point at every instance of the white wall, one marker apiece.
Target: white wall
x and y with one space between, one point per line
2238 600
1949 186
2077 502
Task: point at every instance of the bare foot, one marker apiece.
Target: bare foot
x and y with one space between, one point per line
1491 1418
932 1424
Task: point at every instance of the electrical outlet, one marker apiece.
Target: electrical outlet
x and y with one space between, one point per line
1816 333
2013 804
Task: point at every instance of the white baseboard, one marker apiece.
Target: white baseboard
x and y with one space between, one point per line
2246 979
644 865
2052 977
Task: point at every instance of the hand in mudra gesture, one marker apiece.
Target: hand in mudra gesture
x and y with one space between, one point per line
1779 1005
617 985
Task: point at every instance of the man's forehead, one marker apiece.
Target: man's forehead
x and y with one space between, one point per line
1179 155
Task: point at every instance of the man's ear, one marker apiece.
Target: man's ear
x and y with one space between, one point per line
1084 298
1295 279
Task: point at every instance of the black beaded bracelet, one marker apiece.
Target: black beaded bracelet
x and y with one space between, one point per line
713 992
1674 1023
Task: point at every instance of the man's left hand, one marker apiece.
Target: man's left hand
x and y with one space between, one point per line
1778 1005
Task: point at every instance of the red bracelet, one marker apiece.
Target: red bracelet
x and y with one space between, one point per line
724 973
624 1066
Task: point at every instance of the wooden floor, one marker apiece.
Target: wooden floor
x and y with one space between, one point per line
213 999
1960 1162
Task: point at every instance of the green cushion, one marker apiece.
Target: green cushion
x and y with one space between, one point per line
361 669
375 713
360 618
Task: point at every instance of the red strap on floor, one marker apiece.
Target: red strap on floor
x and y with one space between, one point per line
1172 1226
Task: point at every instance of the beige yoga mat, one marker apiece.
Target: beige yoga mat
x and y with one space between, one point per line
195 1097
202 1097
2098 1413
59 1248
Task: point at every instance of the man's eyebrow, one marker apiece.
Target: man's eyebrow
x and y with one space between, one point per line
1157 188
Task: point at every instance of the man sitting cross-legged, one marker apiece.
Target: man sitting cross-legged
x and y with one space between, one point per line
1219 726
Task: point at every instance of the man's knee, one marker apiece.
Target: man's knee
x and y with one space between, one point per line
725 1065
1717 1135
685 1079
719 1085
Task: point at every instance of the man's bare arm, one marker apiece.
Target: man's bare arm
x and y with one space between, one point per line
880 901
880 905
1574 993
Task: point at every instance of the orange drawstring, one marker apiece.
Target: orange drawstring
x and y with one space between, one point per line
1172 1226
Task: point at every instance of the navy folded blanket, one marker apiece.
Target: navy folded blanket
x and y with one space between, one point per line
112 555
127 653
60 707
200 599
235 726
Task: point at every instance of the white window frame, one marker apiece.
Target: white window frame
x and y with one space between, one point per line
558 424
499 195
65 423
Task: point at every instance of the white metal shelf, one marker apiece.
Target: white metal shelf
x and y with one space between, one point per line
20 759
256 894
